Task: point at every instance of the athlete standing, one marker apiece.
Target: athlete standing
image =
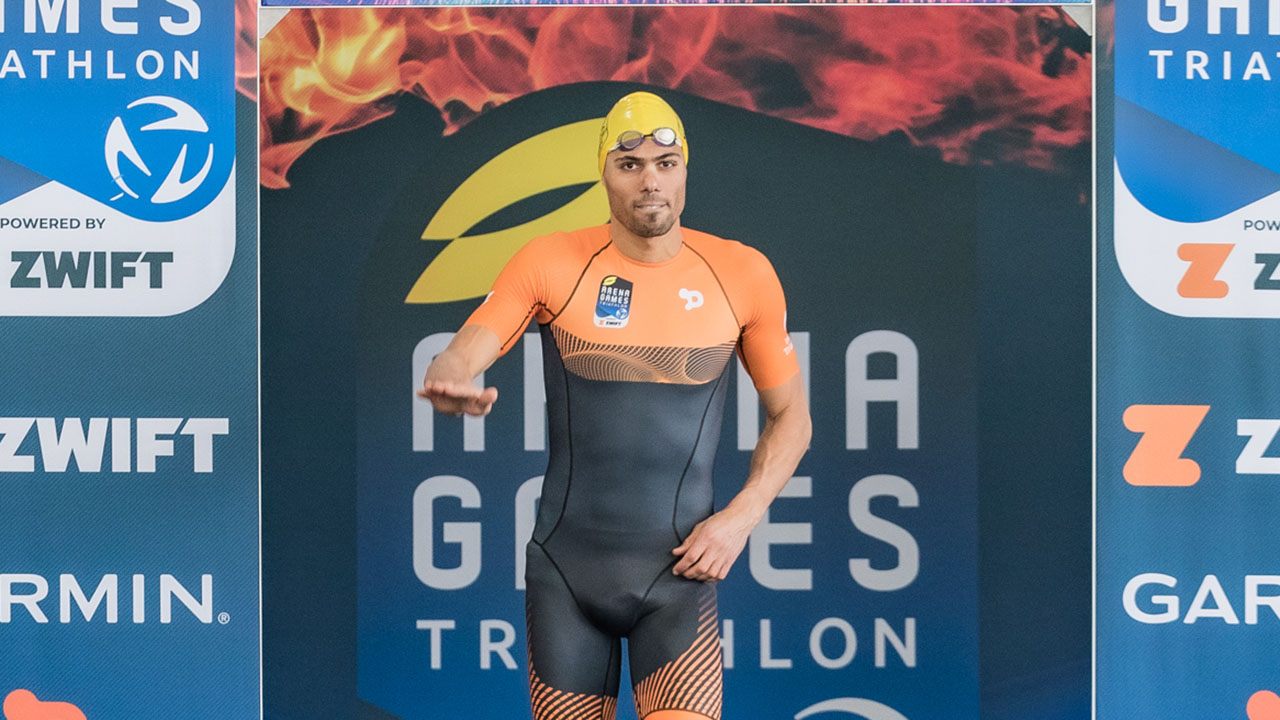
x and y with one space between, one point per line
639 320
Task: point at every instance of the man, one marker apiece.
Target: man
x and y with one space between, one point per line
639 320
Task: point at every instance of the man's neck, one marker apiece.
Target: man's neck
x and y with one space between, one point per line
646 249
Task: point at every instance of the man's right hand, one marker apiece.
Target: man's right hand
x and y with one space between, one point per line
448 382
454 398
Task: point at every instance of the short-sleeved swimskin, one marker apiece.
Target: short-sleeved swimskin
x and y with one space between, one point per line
636 357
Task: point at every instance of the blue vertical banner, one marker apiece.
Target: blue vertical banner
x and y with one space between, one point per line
1188 467
129 576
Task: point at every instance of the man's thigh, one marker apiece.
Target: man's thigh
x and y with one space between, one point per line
573 667
674 653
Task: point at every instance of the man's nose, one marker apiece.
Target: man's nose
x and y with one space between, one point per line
649 178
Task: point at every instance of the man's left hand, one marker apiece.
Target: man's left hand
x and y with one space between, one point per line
713 546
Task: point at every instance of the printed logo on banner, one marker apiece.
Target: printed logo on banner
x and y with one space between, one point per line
1263 705
121 145
1157 461
23 704
1197 190
1166 430
551 160
119 165
859 707
1225 267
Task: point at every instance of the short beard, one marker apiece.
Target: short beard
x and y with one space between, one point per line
639 228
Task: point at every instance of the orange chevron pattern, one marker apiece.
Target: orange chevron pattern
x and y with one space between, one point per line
633 363
552 704
693 681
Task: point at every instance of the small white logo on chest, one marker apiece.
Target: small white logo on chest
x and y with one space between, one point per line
692 298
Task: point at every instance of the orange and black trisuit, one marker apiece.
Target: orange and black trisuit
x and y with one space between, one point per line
636 358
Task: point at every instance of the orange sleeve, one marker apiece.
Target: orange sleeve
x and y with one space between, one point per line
517 295
766 350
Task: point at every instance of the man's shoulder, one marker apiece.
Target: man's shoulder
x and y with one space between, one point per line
722 252
566 245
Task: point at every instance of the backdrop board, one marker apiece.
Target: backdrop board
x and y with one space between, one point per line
1188 296
437 3
885 162
128 331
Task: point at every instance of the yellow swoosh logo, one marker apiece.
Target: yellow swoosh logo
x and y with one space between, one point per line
557 158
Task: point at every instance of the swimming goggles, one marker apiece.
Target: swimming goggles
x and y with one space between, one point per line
632 139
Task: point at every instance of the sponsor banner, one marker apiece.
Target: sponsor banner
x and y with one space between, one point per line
1196 169
858 594
1188 603
128 419
123 153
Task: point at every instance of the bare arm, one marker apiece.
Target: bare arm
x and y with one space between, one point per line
448 382
715 543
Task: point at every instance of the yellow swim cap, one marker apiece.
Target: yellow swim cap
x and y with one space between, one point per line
640 112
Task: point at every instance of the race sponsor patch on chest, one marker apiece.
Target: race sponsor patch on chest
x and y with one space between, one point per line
613 305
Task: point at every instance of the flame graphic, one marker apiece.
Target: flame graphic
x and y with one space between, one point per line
1105 21
982 85
247 48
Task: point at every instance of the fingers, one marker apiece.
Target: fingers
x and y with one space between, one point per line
699 562
456 399
433 388
710 568
690 541
689 559
707 553
481 404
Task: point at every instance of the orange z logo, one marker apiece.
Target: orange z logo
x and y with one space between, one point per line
1200 280
1166 430
24 705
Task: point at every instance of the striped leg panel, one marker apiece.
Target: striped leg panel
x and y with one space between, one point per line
691 682
552 704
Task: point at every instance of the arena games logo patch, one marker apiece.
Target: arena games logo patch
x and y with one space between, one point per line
613 305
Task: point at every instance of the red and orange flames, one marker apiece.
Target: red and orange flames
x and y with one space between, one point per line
247 48
982 85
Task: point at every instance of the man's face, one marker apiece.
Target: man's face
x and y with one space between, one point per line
646 187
